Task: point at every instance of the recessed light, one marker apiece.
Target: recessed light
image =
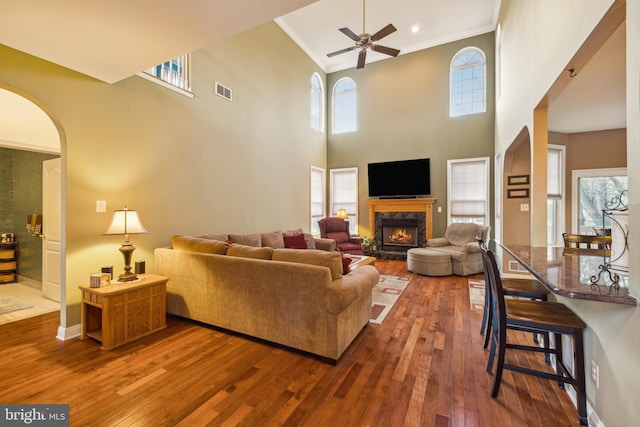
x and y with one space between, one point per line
415 29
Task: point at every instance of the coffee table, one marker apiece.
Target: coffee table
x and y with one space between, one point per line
360 260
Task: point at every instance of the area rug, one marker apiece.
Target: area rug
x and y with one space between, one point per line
7 305
385 295
476 294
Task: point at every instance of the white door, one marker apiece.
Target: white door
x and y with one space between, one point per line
51 228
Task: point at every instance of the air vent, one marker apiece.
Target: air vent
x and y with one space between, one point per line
224 92
516 266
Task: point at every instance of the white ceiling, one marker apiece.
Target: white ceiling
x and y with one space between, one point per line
115 39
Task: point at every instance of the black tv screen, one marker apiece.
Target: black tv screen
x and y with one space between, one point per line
401 178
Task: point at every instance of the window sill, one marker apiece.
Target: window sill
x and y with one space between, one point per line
169 86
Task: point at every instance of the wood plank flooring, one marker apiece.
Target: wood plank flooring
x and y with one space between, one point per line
424 366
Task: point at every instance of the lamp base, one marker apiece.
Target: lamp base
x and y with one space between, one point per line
127 277
127 249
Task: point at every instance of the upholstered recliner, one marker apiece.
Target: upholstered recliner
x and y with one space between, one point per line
338 230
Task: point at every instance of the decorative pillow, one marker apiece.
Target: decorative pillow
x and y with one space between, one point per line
311 241
333 260
197 244
244 251
295 241
246 239
346 263
273 239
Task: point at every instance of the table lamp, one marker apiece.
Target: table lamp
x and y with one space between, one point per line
126 222
342 213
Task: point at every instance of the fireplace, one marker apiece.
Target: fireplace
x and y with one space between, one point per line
399 233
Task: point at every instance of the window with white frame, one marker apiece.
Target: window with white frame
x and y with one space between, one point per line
555 194
175 73
344 194
468 82
344 106
318 205
468 190
317 104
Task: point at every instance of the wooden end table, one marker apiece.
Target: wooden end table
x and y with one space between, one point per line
119 313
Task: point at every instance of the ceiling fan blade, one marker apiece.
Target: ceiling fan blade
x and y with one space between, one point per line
383 32
386 50
347 32
361 58
338 52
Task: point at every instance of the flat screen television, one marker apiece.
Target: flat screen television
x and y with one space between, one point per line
400 178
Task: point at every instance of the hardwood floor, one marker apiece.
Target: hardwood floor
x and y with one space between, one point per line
424 366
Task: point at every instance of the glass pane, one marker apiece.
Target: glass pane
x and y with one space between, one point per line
593 193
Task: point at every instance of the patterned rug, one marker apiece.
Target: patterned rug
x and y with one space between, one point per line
476 294
7 305
385 295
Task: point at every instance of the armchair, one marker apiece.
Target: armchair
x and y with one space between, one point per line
338 230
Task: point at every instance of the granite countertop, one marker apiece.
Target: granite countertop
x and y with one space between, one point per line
568 272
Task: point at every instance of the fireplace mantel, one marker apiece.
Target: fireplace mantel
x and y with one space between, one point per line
402 205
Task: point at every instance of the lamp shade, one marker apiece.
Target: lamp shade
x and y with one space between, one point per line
125 222
342 213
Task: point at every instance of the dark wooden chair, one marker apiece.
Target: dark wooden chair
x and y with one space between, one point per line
515 287
338 229
541 317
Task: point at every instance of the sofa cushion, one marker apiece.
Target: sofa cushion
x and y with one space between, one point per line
198 244
246 239
346 264
223 237
295 241
273 240
244 251
459 233
332 260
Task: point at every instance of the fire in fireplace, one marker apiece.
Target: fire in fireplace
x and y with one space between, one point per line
399 233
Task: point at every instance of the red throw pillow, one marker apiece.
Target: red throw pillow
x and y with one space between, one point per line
295 241
346 262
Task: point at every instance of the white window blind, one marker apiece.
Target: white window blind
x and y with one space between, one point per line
554 173
468 190
344 194
317 209
316 98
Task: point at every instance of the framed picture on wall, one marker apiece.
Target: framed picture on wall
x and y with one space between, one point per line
518 193
518 180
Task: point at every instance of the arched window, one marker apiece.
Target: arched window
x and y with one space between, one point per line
344 106
468 70
317 107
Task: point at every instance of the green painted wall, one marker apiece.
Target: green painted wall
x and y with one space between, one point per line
188 165
403 113
21 195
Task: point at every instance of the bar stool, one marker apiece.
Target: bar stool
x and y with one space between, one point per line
524 288
535 316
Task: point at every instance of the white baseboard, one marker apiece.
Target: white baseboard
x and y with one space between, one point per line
69 333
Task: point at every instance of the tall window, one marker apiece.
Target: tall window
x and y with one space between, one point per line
468 190
344 194
317 107
592 189
555 195
317 192
176 72
344 106
468 69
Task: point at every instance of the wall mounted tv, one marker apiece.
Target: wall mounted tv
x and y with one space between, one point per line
399 179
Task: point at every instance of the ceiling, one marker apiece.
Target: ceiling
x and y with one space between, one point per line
113 40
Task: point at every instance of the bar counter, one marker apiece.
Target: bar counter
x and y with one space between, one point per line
568 272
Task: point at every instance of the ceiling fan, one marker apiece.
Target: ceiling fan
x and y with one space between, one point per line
366 41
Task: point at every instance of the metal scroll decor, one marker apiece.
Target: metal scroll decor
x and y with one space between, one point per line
616 257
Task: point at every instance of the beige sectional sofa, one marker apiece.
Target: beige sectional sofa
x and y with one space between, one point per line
295 297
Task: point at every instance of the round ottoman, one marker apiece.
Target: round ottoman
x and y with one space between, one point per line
428 262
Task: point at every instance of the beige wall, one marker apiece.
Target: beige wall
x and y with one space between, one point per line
533 27
188 165
403 113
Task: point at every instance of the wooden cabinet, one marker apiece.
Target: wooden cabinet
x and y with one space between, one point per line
8 262
118 313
